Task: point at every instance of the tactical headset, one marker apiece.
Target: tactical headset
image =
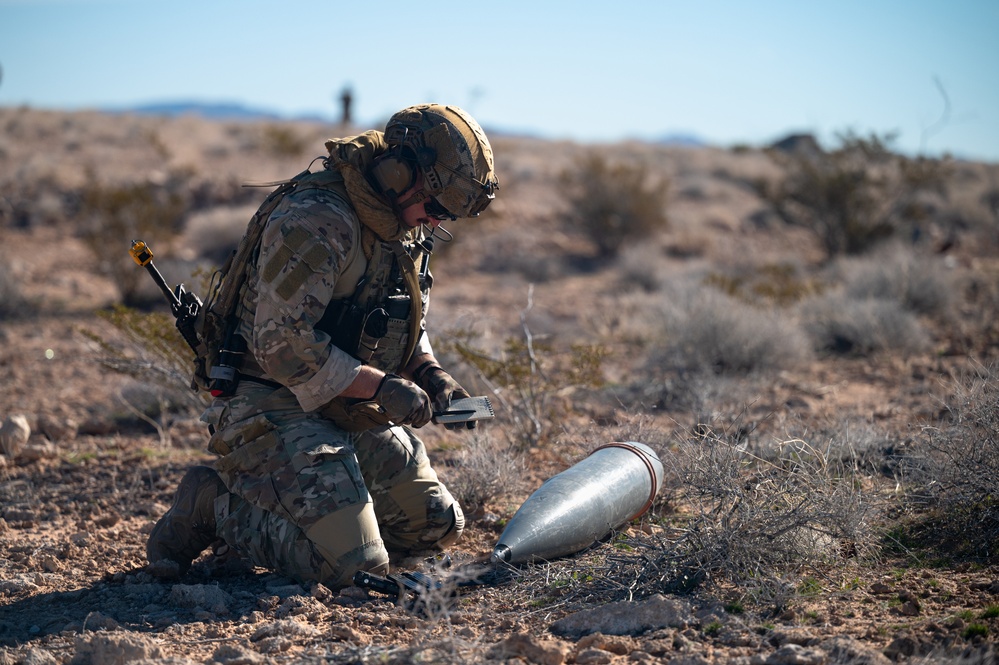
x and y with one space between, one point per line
396 172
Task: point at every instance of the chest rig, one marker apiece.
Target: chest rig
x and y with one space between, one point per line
380 323
377 319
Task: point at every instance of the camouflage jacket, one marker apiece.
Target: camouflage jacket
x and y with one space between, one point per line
309 256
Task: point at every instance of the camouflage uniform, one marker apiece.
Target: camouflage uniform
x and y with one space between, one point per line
306 497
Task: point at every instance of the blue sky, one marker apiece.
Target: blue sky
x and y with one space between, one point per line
729 72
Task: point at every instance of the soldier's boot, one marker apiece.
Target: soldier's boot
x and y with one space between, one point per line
188 527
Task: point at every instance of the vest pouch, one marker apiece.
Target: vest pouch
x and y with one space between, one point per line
353 416
343 322
257 430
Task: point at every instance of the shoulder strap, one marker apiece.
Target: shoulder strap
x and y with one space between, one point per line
411 276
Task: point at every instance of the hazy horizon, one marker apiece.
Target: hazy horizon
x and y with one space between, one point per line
727 72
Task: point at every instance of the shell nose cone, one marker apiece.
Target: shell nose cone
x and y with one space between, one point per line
501 554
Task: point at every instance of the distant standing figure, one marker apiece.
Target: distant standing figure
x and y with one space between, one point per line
346 98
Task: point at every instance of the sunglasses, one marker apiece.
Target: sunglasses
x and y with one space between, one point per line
434 209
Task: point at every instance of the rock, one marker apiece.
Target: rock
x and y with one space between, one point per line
207 597
111 648
594 657
283 628
625 618
57 429
903 646
233 655
39 657
344 633
14 434
620 646
794 654
844 649
798 636
38 450
531 649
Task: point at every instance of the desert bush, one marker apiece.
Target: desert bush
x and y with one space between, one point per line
214 233
149 347
614 204
482 470
758 522
961 488
531 378
853 196
705 330
780 284
761 526
282 141
115 215
847 326
917 283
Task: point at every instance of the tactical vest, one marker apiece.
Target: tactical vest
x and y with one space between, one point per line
377 319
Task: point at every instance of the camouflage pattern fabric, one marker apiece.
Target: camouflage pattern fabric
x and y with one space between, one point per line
316 503
306 498
309 241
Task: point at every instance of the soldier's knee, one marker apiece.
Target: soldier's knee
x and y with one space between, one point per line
347 541
456 525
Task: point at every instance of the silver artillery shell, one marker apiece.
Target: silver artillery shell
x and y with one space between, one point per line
616 483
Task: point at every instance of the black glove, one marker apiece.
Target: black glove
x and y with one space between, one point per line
442 388
404 402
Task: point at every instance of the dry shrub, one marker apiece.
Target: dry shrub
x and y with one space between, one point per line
481 471
918 283
530 378
149 347
854 196
753 527
282 141
792 505
214 233
779 284
708 331
614 203
961 486
115 215
846 326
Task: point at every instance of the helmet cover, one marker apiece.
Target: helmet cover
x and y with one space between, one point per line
451 151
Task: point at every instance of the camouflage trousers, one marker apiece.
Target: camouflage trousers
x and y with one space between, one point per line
316 503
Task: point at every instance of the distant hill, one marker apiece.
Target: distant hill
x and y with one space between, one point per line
688 140
214 111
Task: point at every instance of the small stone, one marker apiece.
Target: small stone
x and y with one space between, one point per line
794 654
14 434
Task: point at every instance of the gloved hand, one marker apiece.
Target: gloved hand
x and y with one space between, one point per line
442 388
404 402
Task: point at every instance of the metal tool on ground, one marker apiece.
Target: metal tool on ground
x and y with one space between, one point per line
582 505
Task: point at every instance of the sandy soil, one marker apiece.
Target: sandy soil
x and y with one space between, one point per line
78 500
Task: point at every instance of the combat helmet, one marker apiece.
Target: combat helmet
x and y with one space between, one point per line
453 154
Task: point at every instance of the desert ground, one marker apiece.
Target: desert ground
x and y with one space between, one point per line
812 407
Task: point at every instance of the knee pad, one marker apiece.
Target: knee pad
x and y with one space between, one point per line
457 527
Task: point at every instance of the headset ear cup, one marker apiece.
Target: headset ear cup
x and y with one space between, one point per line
393 175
